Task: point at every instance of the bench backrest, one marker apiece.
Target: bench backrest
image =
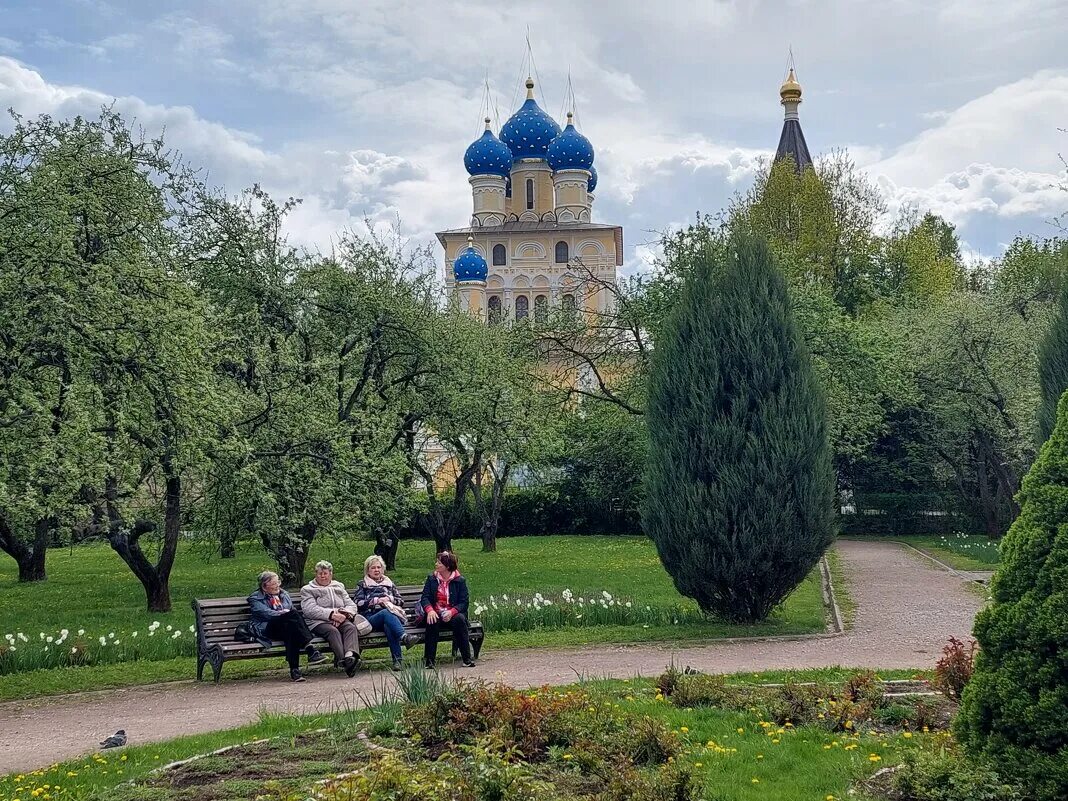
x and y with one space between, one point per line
218 617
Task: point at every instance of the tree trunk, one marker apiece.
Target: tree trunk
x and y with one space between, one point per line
492 516
292 557
386 545
29 558
155 578
228 546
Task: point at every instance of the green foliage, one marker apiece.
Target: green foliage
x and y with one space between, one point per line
1015 705
949 776
739 489
1053 368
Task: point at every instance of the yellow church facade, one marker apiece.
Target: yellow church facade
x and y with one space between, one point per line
531 245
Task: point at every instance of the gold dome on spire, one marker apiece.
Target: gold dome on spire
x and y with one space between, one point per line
790 91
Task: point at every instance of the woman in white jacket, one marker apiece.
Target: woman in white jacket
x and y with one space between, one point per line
331 614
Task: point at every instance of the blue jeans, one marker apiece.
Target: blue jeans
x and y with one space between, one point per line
386 621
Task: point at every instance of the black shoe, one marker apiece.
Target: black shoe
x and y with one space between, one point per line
429 664
398 664
296 675
350 663
469 663
315 656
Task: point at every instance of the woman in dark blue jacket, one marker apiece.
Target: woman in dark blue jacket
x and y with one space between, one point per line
274 618
444 603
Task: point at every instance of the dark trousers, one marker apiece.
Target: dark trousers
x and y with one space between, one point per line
461 636
293 631
342 639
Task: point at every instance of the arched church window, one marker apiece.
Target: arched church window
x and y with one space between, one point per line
522 307
499 256
495 309
541 309
567 303
530 193
561 253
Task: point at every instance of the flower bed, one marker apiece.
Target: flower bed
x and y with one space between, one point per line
66 648
568 609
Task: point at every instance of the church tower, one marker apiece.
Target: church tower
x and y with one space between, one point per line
792 140
531 223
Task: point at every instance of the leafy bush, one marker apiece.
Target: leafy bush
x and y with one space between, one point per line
947 776
700 689
674 782
572 727
954 670
1013 711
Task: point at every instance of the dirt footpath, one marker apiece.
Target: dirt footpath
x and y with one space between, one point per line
906 608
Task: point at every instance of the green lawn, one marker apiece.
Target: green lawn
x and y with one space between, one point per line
959 551
729 749
90 589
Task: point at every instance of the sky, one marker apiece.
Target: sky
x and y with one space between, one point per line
363 108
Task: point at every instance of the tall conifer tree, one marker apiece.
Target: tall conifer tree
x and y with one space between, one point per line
739 484
1053 368
1015 708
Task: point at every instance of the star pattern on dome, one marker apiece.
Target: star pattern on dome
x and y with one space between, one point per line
488 155
570 150
469 264
529 131
592 183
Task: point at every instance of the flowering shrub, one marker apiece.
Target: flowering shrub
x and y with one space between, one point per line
514 613
65 648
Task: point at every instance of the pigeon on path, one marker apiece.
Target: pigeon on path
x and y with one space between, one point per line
117 740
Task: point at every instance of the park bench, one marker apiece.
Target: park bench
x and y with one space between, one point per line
217 619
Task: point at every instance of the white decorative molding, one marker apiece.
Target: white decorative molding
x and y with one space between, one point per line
530 250
528 216
590 247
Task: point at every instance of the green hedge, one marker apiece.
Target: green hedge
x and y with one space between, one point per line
541 510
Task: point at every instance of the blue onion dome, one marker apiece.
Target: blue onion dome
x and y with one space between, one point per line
592 183
469 265
570 150
488 155
529 131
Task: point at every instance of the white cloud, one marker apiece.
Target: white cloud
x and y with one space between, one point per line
995 156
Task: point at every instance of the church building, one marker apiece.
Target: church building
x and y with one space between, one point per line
531 244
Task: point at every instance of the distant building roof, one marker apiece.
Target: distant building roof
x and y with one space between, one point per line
792 143
792 139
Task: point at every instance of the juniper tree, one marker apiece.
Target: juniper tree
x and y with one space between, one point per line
739 485
1014 708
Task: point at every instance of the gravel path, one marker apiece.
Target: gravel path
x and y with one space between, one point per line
906 608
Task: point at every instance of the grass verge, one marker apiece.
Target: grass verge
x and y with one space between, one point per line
109 602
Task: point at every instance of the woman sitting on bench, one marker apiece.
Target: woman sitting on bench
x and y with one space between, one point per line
444 602
274 618
378 599
331 613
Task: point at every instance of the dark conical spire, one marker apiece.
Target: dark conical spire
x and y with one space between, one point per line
792 140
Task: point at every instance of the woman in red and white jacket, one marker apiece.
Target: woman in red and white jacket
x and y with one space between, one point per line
444 603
